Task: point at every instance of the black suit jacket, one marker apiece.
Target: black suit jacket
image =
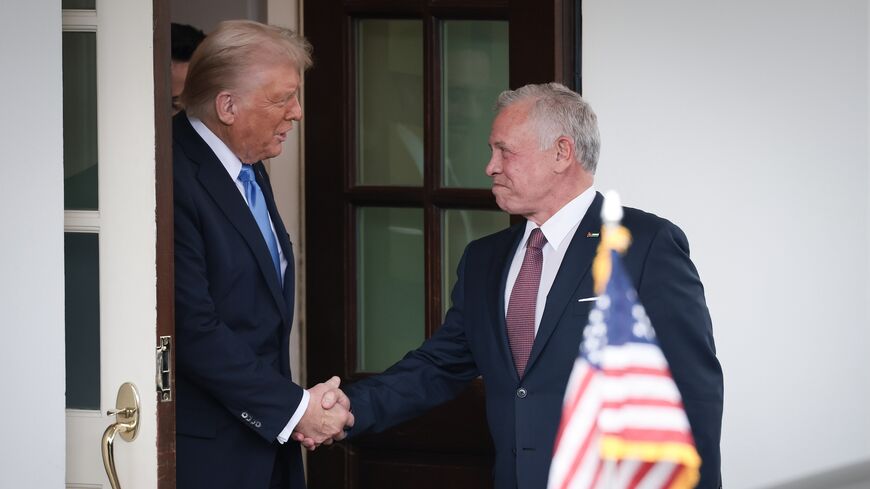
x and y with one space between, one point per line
233 319
473 341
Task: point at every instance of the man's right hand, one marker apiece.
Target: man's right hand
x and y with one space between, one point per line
326 417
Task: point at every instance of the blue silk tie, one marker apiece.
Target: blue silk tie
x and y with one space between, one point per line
257 203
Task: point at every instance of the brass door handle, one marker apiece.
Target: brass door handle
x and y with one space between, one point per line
126 424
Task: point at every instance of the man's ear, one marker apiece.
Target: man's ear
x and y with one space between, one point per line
564 153
225 107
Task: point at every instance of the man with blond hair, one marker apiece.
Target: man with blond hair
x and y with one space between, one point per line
234 273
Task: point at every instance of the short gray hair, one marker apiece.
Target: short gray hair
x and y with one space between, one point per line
228 55
559 111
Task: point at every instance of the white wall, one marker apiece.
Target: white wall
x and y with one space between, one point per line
31 250
746 123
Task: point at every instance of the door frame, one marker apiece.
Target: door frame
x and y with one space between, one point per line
165 235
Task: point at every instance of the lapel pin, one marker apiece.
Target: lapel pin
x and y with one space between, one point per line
590 234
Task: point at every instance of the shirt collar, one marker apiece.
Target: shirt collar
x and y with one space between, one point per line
557 227
231 162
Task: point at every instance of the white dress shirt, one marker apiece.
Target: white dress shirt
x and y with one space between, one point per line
233 165
559 229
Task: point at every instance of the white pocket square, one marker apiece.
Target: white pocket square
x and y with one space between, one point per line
588 299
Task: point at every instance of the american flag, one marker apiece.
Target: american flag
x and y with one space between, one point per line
623 423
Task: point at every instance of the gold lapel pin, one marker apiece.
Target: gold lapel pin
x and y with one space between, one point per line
590 234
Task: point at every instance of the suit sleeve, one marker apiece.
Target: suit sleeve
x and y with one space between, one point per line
673 296
432 374
209 353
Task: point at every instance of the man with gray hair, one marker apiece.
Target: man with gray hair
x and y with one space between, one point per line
523 295
237 406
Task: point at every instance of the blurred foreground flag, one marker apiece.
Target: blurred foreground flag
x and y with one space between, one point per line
623 423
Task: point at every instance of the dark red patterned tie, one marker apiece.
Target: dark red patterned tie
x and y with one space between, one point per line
520 317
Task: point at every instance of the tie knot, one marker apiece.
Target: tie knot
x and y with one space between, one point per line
537 240
247 174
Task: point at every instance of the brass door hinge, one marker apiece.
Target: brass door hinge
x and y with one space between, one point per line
164 369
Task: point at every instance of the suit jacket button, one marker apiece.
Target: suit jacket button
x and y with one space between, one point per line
522 393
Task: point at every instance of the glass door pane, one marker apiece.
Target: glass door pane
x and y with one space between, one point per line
461 227
389 66
82 286
80 120
79 4
390 290
474 72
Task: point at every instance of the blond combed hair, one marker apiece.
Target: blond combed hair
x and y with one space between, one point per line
231 54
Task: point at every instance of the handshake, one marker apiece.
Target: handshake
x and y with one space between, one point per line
327 416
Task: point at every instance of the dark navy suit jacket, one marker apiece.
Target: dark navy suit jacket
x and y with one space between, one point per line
473 341
232 322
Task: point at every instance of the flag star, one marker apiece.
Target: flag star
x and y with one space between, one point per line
638 312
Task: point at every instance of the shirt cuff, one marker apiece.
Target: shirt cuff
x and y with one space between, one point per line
297 416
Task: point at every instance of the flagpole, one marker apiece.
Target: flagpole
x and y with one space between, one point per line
611 211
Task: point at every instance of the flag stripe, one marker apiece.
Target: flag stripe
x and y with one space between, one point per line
658 476
640 386
641 401
641 472
640 437
582 422
625 371
603 467
645 417
634 355
674 474
627 470
582 467
617 448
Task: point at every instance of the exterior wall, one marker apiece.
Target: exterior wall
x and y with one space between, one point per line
746 123
31 250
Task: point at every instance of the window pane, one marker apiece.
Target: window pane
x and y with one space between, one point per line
79 4
474 72
82 267
390 290
390 102
460 228
80 120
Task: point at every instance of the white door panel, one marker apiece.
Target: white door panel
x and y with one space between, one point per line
127 243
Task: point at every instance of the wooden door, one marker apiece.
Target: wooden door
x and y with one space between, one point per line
398 108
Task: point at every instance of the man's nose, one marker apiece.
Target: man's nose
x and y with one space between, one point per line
294 111
493 166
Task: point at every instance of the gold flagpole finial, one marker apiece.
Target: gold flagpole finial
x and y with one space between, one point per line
614 236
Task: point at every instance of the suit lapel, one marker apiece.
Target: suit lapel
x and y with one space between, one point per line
575 267
217 182
289 289
500 266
